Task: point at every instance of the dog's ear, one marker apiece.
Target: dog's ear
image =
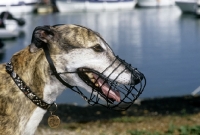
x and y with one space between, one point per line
40 37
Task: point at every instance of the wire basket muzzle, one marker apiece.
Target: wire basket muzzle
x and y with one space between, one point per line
111 93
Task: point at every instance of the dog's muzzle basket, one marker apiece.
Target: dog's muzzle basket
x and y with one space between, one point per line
116 95
126 93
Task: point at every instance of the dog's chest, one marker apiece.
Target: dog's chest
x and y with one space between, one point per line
34 121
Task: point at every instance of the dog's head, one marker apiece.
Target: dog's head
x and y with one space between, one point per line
84 59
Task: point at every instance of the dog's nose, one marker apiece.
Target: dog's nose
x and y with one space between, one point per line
137 77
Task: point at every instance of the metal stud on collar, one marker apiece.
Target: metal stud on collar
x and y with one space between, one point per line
25 89
53 120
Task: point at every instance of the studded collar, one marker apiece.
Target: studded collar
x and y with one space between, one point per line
26 90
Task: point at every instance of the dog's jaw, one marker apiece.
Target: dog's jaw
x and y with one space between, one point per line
52 90
97 62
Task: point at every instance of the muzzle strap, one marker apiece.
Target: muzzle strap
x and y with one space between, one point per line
53 69
57 75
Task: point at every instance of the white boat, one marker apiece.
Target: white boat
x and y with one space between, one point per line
94 5
11 30
10 27
18 6
155 3
188 5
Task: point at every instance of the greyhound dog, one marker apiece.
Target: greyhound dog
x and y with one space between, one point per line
29 85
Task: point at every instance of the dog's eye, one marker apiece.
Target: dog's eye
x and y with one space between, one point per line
97 48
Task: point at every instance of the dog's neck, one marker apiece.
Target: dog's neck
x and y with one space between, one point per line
35 72
32 69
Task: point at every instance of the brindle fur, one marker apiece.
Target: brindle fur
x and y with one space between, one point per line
31 65
15 108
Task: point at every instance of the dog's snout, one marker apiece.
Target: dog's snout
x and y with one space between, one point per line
137 77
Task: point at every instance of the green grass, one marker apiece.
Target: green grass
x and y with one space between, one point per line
126 119
159 116
183 130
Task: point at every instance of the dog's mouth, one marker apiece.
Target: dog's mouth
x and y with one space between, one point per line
119 85
99 84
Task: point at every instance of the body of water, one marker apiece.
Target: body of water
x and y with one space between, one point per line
161 42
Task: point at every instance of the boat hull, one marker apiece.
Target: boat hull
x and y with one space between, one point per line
78 6
18 6
187 6
155 3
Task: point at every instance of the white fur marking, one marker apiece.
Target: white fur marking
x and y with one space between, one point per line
51 91
34 121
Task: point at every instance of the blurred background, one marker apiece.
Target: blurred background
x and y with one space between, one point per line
159 37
